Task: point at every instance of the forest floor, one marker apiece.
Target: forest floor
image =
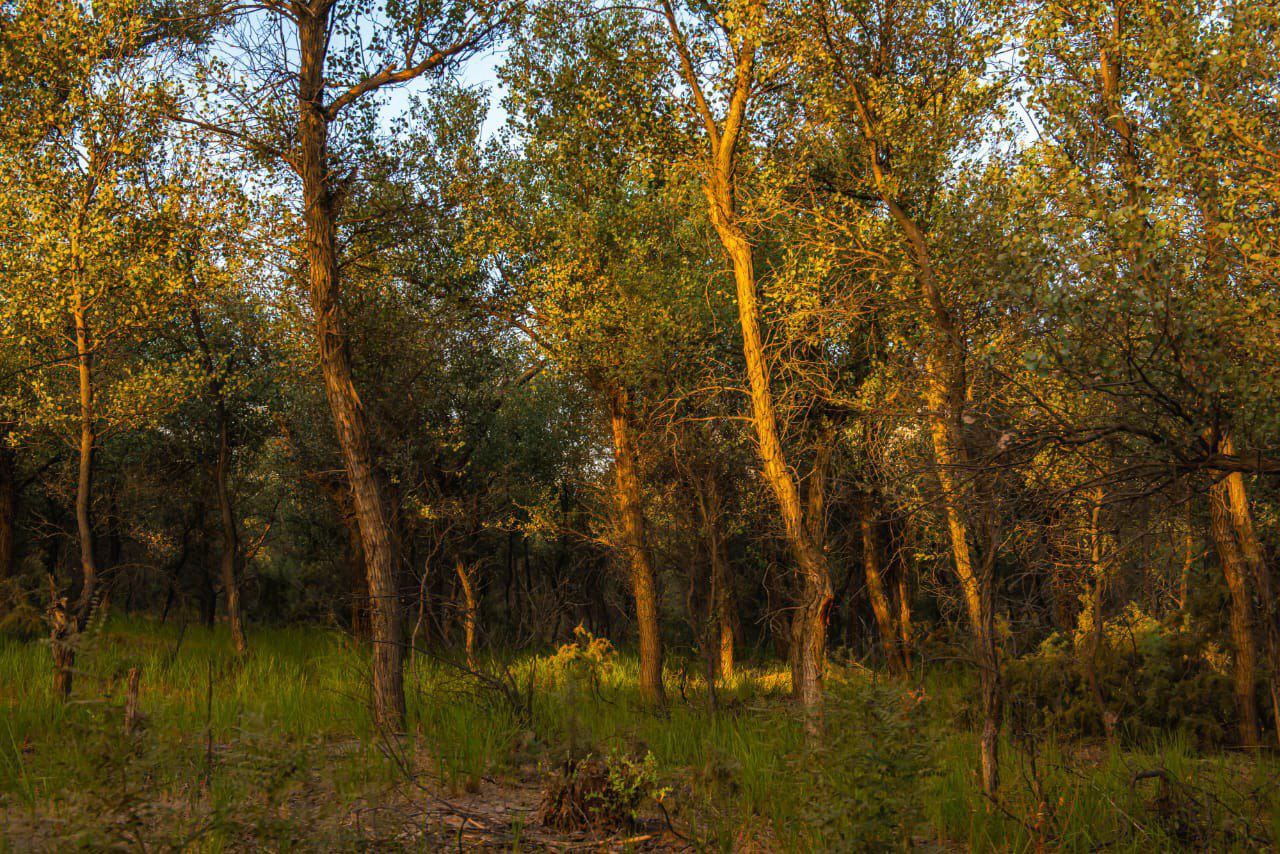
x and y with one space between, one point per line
277 752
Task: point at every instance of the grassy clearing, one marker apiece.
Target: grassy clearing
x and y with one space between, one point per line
278 751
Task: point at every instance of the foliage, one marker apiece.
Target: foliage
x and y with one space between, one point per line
1158 678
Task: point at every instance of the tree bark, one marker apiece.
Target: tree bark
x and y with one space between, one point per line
876 588
628 497
349 419
84 481
809 621
470 608
1237 496
946 385
1235 571
66 622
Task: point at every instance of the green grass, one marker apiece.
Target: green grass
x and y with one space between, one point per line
279 749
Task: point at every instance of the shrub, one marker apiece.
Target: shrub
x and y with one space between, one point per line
600 793
1156 677
585 661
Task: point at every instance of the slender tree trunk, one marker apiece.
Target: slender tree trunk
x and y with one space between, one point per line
945 388
1188 553
809 621
627 494
1091 616
1236 572
67 622
720 650
230 560
1251 547
349 419
876 592
722 137
8 509
470 608
84 482
903 601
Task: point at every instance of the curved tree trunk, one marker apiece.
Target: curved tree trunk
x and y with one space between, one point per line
349 420
627 495
809 620
67 622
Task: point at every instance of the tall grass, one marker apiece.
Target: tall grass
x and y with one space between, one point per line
222 733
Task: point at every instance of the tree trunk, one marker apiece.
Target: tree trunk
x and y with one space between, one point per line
720 629
84 482
67 622
809 621
876 592
230 561
1091 616
903 601
627 495
945 389
1251 547
1235 570
470 608
349 419
8 509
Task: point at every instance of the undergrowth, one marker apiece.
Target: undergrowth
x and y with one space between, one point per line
278 751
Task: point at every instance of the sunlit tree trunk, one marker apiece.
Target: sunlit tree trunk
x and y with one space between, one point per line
1236 572
946 385
1251 547
349 419
470 608
809 620
628 497
68 622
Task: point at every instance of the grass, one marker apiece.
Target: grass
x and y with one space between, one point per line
278 751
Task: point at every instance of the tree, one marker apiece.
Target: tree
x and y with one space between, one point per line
737 31
93 207
345 56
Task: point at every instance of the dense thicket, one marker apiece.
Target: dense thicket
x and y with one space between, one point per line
900 330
